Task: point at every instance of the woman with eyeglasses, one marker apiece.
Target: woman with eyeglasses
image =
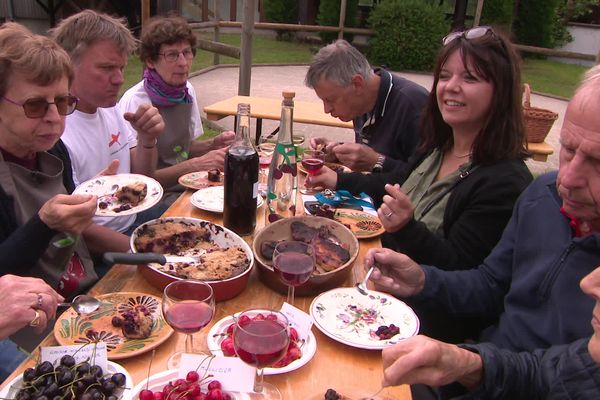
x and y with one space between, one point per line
39 221
450 207
167 51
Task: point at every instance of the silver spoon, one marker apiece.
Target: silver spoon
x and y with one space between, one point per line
362 286
83 304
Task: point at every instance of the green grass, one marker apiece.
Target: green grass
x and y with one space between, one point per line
544 76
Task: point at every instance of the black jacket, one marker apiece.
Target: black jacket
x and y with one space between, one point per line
22 246
475 216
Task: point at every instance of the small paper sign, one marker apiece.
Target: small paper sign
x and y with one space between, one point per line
233 373
95 354
298 319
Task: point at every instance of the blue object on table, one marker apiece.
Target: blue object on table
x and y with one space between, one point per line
338 198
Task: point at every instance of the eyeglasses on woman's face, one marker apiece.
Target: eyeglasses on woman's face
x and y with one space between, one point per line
38 107
469 34
173 55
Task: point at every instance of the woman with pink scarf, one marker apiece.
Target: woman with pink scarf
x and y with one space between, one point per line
167 50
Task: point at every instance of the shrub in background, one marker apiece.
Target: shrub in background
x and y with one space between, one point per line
498 13
329 15
283 11
408 34
535 21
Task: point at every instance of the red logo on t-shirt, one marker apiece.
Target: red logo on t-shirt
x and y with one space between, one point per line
69 281
114 139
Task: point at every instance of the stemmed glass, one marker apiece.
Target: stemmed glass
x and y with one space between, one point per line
261 342
312 161
188 306
294 262
265 154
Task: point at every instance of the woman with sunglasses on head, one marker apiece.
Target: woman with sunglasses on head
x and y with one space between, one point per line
451 206
167 51
39 220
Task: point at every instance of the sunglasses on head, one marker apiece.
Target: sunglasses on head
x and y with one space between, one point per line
469 34
37 108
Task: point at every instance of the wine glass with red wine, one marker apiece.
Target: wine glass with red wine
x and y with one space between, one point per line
312 161
260 339
294 262
188 306
265 154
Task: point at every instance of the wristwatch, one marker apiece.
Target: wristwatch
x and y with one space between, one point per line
378 167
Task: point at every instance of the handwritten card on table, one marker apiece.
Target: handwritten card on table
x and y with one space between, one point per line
298 319
95 354
233 373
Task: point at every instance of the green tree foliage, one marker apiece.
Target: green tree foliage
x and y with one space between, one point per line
283 11
498 13
407 34
535 22
329 15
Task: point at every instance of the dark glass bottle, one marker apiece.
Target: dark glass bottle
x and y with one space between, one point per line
241 178
283 181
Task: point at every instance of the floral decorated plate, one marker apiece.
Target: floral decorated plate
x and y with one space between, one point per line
198 180
211 199
218 332
105 187
72 328
361 223
351 318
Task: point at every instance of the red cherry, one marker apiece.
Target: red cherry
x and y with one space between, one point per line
192 376
146 394
259 317
271 317
227 347
201 396
214 385
293 334
229 330
294 354
215 394
194 389
158 396
244 320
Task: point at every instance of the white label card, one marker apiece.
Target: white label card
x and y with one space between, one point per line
95 354
233 373
298 319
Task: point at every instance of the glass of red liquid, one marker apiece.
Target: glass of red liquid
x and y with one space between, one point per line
188 306
265 154
294 262
260 339
312 162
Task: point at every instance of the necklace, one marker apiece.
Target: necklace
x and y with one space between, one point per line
461 156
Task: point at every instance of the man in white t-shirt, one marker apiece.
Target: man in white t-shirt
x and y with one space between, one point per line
98 133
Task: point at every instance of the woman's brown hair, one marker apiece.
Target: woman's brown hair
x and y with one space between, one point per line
164 30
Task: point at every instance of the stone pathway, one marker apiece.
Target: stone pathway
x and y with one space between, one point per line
269 81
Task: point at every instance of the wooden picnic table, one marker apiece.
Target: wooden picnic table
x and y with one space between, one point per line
352 371
310 113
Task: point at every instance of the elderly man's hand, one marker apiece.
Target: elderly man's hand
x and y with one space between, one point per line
210 160
147 122
396 210
27 295
223 139
394 272
324 178
356 156
422 360
69 213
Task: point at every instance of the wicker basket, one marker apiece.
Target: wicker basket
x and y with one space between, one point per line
538 121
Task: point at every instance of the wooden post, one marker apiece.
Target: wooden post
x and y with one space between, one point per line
246 48
478 11
145 11
342 19
216 32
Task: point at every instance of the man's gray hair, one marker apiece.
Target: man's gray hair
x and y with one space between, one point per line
337 62
589 89
79 31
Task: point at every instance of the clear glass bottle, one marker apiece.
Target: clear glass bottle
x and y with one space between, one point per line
241 178
282 185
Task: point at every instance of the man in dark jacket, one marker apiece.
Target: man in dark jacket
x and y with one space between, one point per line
384 108
528 282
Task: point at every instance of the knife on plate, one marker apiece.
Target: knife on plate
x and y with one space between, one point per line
145 258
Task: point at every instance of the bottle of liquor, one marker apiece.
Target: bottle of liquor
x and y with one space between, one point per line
241 178
282 184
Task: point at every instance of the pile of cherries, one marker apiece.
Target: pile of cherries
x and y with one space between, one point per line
187 389
293 351
69 380
385 332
